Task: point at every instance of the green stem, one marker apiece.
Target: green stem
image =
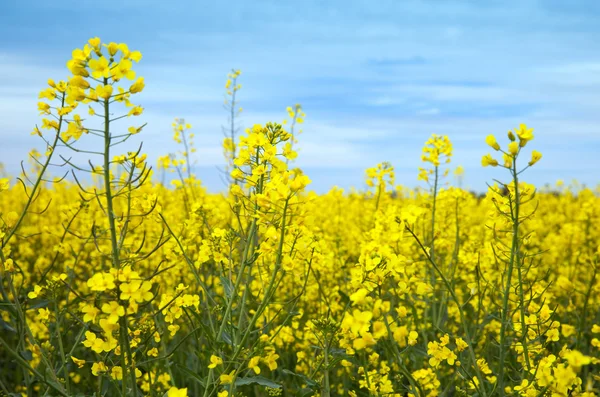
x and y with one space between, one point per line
434 317
116 262
511 263
238 281
61 348
326 387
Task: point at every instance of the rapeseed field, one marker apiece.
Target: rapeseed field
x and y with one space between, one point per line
115 284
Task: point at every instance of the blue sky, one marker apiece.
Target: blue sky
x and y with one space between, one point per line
375 78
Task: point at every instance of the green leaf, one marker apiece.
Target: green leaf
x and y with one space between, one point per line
258 380
26 354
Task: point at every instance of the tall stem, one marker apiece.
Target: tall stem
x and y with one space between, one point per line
511 263
434 317
61 347
116 262
326 387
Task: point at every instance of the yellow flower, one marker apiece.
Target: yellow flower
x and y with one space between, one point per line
175 392
461 344
98 368
412 338
43 108
136 111
271 361
138 86
93 342
123 70
116 373
79 362
508 160
79 82
4 184
535 157
227 379
114 311
112 48
525 134
101 282
35 293
100 67
95 42
491 141
152 352
253 364
74 130
576 359
214 361
91 312
104 91
488 160
513 148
